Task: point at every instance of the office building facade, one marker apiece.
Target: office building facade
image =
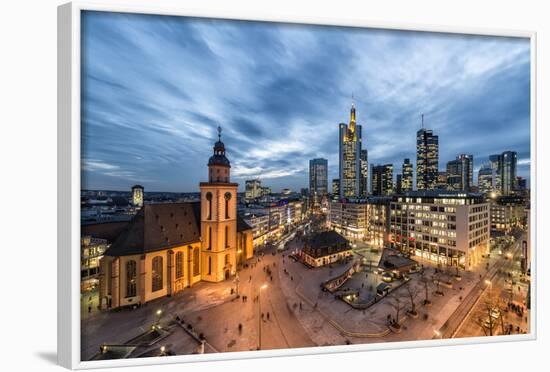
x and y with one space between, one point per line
427 159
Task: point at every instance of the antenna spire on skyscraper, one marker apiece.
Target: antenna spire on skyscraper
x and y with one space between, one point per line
219 133
422 121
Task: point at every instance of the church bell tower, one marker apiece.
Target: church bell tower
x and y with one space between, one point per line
218 218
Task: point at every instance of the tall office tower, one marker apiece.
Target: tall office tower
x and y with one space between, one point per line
521 183
407 176
399 184
467 161
318 179
508 171
382 179
485 178
350 157
364 182
137 196
335 189
253 189
454 175
441 181
495 166
427 159
460 173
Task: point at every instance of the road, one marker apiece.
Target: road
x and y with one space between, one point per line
457 319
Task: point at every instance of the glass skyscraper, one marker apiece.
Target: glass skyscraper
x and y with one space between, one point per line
508 171
318 179
407 176
427 159
382 179
350 158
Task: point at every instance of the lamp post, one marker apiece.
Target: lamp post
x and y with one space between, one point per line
260 316
158 314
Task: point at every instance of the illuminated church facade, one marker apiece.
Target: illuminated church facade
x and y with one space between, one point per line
171 246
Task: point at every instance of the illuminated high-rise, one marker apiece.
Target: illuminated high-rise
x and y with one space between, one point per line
508 171
350 171
460 173
427 159
318 179
382 179
485 178
407 176
364 181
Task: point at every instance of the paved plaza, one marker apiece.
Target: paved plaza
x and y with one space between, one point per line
281 304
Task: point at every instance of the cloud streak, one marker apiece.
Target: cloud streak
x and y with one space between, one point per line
154 88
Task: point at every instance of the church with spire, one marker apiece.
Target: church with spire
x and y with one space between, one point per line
171 246
353 159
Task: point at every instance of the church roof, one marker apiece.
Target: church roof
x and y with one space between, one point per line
242 225
159 226
162 226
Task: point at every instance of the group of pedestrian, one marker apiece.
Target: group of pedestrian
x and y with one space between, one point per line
264 316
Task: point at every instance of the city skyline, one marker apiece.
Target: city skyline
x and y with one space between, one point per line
153 122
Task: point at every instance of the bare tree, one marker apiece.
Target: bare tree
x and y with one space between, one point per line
398 305
436 277
490 316
412 293
426 281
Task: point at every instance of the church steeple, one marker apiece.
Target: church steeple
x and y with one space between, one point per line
218 164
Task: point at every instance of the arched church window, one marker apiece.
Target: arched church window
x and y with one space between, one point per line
196 262
209 205
226 236
179 265
227 197
131 275
157 272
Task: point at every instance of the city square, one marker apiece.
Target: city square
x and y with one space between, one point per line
217 234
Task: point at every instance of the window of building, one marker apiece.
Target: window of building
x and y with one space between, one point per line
209 265
209 205
196 262
157 274
179 265
226 236
131 275
227 199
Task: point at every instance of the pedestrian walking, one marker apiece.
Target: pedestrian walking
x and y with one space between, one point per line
268 315
89 309
300 305
262 316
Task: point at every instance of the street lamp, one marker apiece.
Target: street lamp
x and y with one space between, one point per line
158 314
260 316
437 333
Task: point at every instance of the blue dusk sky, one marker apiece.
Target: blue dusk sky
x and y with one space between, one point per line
154 89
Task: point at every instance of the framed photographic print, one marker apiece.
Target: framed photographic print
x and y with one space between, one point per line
239 186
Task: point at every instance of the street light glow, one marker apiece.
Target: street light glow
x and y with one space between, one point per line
159 311
488 282
263 286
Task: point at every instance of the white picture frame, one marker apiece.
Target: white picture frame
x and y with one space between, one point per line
69 183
